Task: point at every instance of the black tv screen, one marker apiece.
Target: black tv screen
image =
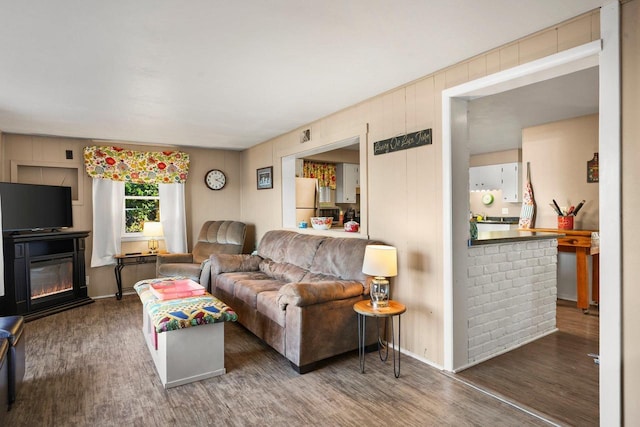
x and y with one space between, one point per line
35 207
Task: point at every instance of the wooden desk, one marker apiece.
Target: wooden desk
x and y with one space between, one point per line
579 242
130 259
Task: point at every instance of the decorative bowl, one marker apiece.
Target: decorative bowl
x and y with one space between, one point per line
351 226
321 222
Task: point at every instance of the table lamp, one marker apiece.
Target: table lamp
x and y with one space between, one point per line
380 261
152 229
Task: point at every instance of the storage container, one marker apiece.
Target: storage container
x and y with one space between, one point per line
565 222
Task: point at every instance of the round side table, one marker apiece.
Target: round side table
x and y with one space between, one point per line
364 310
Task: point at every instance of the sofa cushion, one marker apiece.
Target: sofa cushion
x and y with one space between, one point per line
268 306
247 290
192 271
289 247
310 277
341 257
282 271
227 281
226 263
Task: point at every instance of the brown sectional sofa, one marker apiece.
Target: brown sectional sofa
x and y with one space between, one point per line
297 293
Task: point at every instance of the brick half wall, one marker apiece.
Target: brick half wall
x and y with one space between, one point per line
511 296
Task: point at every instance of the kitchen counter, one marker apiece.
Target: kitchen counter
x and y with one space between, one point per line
332 232
511 285
510 236
500 220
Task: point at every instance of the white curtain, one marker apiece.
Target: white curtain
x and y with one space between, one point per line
108 211
173 218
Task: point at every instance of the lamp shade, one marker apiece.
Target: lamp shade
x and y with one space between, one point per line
152 229
380 260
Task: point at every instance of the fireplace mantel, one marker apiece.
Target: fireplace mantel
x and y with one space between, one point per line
23 250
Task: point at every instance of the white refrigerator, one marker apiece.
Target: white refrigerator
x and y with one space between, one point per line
306 199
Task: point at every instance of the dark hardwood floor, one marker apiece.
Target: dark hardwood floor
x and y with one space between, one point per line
553 377
90 366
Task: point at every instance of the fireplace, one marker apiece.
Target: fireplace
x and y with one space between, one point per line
49 278
44 273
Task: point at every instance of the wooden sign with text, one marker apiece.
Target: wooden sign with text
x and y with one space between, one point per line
397 143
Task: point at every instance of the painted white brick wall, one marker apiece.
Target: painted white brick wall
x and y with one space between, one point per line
511 295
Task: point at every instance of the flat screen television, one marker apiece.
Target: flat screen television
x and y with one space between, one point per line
35 207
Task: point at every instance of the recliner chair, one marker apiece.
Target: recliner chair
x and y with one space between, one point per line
216 237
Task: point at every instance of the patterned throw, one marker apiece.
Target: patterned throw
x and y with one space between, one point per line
173 314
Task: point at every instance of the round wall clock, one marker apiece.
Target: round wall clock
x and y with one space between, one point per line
487 199
215 179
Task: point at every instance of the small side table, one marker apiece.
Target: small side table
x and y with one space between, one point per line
130 259
364 310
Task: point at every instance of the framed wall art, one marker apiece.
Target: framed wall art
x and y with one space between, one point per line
592 169
264 178
305 136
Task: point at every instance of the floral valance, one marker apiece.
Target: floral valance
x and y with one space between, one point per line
324 172
142 167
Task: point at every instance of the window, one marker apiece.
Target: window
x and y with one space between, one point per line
141 203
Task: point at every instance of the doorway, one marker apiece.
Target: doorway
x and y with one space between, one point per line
455 189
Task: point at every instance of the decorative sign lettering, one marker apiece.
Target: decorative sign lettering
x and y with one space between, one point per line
397 143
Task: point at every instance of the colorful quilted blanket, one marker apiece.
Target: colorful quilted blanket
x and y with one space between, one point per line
173 314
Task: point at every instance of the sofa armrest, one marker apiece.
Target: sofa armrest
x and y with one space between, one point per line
205 274
173 258
302 294
229 263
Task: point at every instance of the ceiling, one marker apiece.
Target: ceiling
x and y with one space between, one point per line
496 122
221 74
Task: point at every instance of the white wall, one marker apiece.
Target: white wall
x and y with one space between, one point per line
201 203
558 153
405 195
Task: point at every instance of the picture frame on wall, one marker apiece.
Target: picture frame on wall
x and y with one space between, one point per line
592 169
264 177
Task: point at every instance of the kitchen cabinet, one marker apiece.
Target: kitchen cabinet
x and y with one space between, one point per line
484 178
347 179
505 177
510 182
